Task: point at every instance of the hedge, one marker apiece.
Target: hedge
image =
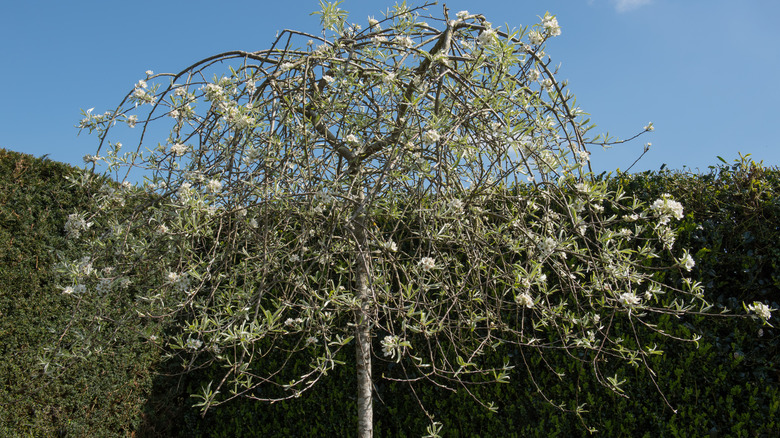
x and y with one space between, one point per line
728 386
102 396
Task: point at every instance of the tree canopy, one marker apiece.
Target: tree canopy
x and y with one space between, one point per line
418 190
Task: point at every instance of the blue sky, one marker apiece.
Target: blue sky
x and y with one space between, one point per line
705 72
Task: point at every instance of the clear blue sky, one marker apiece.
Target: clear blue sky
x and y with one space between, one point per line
705 72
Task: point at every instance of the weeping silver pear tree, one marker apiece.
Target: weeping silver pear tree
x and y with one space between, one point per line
416 190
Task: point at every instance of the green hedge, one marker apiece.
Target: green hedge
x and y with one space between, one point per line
728 386
102 396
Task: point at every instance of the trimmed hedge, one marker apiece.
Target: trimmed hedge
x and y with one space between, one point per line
728 386
102 396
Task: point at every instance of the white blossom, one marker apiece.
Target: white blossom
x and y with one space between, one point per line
486 37
456 206
427 263
650 127
431 136
404 41
289 322
352 139
550 25
181 282
462 15
214 186
388 78
391 347
103 286
535 37
75 224
628 299
213 92
179 149
141 94
193 344
761 309
666 206
687 262
389 246
75 289
547 246
525 300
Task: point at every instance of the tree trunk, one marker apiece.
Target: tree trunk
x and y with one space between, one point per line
363 356
363 318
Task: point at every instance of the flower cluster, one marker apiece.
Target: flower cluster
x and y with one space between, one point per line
536 38
92 121
762 310
629 299
290 322
388 78
235 116
687 262
352 139
431 136
486 37
193 344
404 41
75 289
547 246
179 149
455 206
427 263
550 24
213 92
214 186
525 299
142 94
389 245
666 207
391 347
75 225
181 282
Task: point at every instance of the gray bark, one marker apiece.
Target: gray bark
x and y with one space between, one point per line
363 318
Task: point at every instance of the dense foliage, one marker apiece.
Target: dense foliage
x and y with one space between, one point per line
728 386
415 191
103 396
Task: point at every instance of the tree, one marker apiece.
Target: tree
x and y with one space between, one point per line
415 188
